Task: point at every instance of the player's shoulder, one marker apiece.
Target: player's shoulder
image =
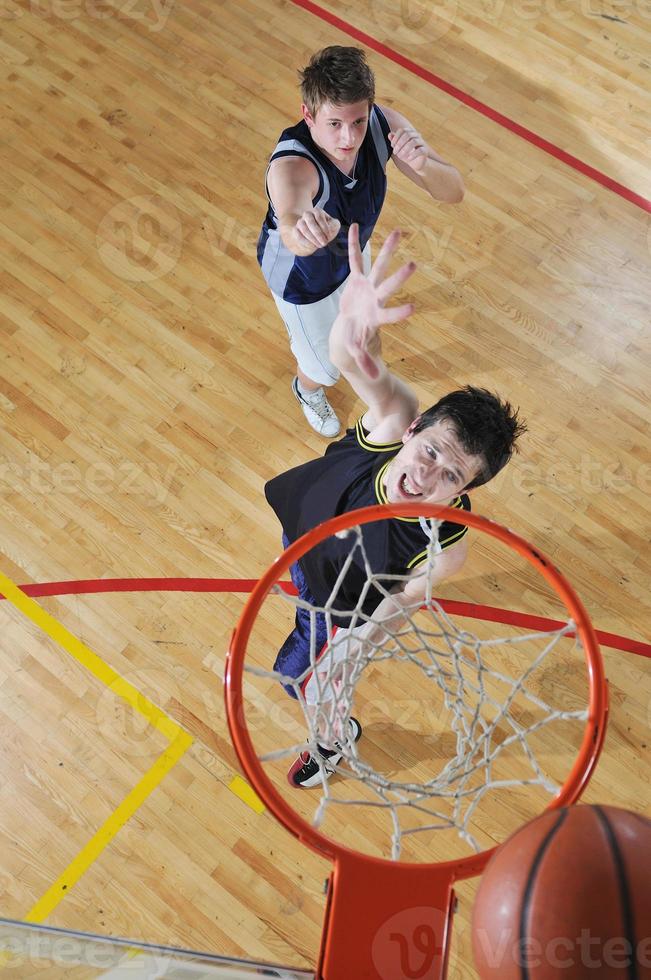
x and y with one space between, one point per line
380 437
293 165
359 442
289 176
387 421
394 118
292 157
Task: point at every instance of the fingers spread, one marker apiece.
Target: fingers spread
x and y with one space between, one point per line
394 282
393 314
385 254
354 251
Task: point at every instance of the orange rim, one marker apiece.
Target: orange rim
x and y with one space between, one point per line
595 727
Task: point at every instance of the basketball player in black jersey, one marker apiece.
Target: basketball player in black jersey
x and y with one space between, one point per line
393 454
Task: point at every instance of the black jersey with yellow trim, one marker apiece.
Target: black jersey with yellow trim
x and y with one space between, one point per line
348 476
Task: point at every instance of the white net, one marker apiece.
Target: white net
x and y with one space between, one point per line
493 713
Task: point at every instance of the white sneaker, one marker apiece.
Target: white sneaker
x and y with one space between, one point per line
318 411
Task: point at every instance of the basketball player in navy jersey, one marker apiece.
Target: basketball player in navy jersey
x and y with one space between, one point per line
325 173
393 454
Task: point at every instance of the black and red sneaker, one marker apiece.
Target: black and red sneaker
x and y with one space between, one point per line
306 771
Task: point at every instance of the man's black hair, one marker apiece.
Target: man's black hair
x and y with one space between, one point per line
485 425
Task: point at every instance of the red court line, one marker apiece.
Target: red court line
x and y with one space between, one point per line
471 610
480 107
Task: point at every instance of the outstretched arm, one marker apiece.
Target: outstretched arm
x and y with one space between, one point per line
292 183
355 339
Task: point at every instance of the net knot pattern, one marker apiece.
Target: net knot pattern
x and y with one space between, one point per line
456 662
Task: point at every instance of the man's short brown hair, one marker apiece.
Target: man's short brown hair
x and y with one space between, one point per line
338 75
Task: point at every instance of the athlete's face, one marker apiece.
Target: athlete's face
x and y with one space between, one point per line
338 129
431 467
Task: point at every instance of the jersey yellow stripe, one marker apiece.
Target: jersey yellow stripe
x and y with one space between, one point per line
420 558
380 495
373 447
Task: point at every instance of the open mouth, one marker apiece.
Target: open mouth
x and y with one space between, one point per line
407 488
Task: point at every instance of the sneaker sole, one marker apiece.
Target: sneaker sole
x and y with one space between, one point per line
315 780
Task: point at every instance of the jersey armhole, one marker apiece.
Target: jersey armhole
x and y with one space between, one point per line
460 530
292 153
421 556
385 129
362 434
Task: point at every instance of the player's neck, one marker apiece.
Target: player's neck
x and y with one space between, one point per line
347 169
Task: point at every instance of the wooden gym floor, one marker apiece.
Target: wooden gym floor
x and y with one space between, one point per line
144 395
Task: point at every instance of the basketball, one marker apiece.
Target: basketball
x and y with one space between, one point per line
568 895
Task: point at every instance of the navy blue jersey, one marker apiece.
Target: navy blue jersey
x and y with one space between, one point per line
358 198
351 475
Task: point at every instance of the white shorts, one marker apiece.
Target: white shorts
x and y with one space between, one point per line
309 325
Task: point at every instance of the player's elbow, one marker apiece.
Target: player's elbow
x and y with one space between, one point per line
455 191
459 194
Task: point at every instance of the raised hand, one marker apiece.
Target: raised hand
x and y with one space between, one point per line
362 309
409 146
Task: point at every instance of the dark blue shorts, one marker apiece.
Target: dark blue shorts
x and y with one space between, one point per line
294 655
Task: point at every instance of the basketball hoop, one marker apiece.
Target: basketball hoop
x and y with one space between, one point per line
378 909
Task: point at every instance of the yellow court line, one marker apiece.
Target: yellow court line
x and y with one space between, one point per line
85 656
246 793
80 864
179 739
